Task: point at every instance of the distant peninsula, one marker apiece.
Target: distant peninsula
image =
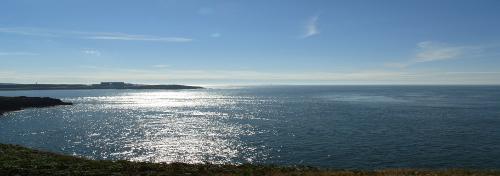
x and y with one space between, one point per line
18 103
102 85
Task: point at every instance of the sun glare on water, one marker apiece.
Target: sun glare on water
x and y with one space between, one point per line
167 126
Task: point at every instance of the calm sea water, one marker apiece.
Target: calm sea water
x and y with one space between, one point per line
361 127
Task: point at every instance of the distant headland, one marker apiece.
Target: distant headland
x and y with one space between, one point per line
102 85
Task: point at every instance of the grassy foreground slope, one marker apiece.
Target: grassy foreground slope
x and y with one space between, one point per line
17 160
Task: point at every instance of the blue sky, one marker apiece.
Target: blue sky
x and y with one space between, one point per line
251 42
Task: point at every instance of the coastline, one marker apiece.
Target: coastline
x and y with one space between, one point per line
19 160
8 104
103 85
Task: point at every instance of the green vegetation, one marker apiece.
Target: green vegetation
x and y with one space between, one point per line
17 160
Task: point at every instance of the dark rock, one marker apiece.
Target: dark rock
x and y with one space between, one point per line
18 103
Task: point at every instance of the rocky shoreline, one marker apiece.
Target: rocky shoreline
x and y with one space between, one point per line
8 104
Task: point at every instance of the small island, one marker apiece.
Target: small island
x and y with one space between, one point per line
102 85
18 103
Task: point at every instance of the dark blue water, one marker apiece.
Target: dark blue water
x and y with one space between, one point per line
361 127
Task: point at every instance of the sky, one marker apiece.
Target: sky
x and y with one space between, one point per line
232 42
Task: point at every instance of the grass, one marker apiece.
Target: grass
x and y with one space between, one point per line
18 160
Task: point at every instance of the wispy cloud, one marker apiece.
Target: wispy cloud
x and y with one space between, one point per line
215 35
6 73
89 67
157 75
398 64
311 27
130 37
91 35
161 66
92 52
100 73
92 74
29 31
430 51
474 73
18 54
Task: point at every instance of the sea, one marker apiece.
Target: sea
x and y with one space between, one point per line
343 127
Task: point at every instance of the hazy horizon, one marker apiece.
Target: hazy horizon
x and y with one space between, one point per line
215 85
222 42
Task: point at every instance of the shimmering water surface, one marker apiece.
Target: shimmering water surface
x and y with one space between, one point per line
325 126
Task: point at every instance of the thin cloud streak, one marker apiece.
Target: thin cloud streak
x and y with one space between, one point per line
139 38
18 54
474 73
91 35
215 35
144 73
91 75
431 51
28 32
161 66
